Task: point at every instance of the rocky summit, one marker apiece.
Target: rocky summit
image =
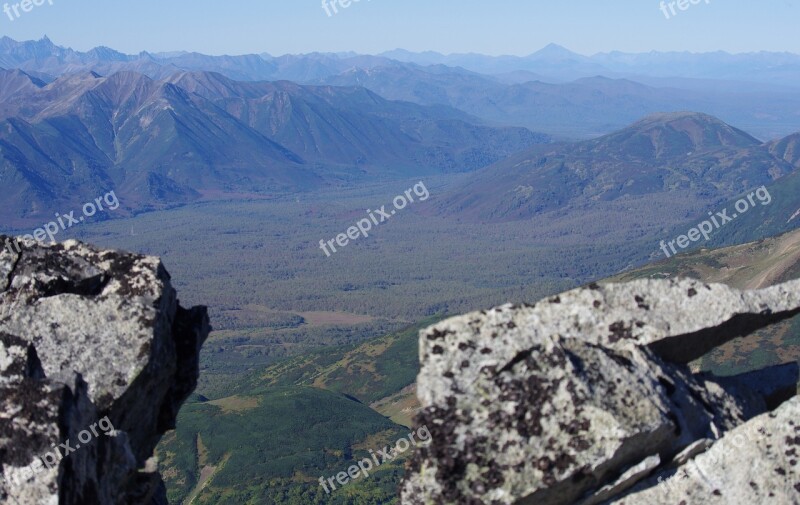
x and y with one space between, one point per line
96 358
587 398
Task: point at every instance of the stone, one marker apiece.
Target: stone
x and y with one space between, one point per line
572 399
753 463
96 358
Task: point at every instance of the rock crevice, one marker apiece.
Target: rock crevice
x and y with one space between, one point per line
586 397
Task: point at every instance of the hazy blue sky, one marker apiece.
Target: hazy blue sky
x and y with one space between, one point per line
370 26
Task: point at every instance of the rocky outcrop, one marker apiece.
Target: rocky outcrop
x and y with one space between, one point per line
96 358
586 398
753 463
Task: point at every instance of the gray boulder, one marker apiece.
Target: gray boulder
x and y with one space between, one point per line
578 398
96 358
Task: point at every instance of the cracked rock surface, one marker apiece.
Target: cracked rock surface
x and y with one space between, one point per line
90 339
585 397
753 463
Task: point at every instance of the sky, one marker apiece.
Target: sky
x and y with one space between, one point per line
493 27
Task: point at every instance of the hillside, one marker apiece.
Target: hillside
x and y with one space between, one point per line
776 211
369 371
166 143
358 131
582 108
252 449
753 265
787 148
382 372
249 445
693 159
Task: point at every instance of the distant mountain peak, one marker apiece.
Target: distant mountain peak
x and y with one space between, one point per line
677 118
45 43
554 52
676 115
554 48
104 53
788 149
694 131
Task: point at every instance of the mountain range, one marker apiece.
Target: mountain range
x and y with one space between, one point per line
586 107
201 134
685 161
551 90
623 162
558 63
552 63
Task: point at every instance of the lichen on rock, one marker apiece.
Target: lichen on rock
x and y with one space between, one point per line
582 396
89 338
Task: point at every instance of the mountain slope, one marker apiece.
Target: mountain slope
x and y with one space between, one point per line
250 445
353 127
788 149
369 371
255 449
582 108
753 265
161 143
777 212
223 436
695 159
757 214
17 83
152 142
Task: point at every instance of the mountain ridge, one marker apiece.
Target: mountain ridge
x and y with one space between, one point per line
556 91
158 143
686 155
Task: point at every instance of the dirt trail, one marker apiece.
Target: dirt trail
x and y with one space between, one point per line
206 471
205 475
786 256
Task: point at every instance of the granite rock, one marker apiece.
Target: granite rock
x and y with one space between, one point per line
96 358
579 397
